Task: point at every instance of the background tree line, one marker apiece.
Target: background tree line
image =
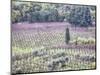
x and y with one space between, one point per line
48 12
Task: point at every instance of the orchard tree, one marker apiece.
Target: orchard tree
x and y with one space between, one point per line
80 16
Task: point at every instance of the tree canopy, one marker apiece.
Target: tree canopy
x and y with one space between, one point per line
81 16
49 12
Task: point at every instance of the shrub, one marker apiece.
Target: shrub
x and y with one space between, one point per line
81 40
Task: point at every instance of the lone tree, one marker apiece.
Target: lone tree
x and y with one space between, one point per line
67 36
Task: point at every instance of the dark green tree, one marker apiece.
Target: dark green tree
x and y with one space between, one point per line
67 36
80 16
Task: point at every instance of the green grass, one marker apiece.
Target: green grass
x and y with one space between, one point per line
21 50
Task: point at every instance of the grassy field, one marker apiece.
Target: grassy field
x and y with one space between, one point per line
40 47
